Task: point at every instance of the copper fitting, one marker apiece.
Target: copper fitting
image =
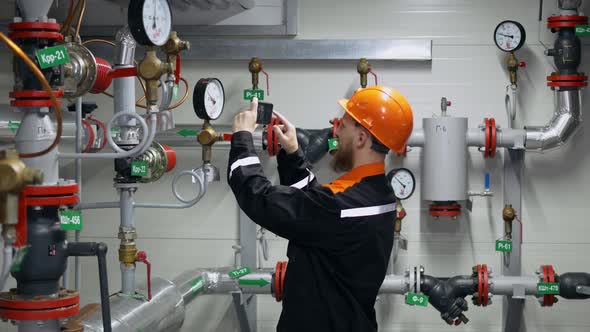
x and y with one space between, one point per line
127 253
14 174
363 68
151 68
512 65
508 214
175 45
255 67
207 137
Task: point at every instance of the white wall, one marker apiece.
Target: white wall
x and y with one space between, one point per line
466 68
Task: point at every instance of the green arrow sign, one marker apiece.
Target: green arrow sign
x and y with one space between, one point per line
52 56
186 132
583 30
239 272
70 220
504 246
257 282
13 126
545 288
417 299
249 94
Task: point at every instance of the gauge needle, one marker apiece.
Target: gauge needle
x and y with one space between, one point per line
155 7
509 36
213 100
403 185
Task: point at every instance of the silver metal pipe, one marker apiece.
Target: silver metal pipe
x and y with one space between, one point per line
505 285
565 122
78 175
416 138
127 279
394 284
127 224
125 47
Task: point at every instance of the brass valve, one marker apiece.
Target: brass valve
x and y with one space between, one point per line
175 45
255 67
151 68
512 65
207 137
508 214
363 68
127 253
400 215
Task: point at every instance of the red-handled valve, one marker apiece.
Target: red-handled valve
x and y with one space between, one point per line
170 157
522 64
142 258
103 79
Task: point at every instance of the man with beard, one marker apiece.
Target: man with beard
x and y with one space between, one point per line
340 234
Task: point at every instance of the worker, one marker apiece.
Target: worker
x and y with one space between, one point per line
340 234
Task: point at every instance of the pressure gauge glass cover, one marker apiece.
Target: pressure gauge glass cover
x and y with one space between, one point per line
150 21
208 98
509 36
403 182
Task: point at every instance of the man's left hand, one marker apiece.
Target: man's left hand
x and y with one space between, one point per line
246 120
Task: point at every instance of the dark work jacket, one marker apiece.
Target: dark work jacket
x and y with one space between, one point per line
340 236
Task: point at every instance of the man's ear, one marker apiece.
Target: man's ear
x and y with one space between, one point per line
363 137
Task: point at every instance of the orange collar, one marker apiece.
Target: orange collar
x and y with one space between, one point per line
355 176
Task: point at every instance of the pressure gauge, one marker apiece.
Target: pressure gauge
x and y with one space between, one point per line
150 21
509 36
208 98
403 182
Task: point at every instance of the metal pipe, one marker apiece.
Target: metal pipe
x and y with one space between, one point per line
127 224
417 138
6 263
39 326
565 122
504 285
395 284
78 175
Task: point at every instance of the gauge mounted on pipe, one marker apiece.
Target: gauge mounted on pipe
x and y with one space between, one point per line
150 21
208 98
509 36
403 183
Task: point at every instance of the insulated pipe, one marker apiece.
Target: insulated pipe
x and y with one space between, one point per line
564 123
78 175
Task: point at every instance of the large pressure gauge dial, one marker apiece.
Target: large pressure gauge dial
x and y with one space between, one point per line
509 36
403 182
150 21
208 98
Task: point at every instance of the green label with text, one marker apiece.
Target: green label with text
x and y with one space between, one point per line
239 272
583 30
249 94
13 126
52 56
139 168
70 220
504 246
547 288
332 144
417 299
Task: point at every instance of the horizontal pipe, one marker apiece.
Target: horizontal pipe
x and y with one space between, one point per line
504 285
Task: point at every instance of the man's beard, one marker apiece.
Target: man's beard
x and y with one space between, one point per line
342 160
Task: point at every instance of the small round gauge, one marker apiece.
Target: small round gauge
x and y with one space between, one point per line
150 21
403 182
509 36
208 98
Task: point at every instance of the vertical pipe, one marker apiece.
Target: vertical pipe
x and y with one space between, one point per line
78 174
513 309
127 225
104 287
248 253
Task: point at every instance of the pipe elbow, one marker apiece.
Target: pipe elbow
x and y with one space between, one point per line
564 124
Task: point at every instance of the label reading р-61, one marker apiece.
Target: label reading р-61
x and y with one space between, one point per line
504 246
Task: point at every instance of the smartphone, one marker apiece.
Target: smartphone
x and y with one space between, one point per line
264 113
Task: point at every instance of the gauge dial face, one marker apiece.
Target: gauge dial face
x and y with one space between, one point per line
509 36
157 21
403 183
214 99
209 98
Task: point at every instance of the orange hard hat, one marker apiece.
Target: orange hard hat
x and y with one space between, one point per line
384 112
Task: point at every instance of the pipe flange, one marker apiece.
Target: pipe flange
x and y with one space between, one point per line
452 209
556 22
548 272
82 71
14 307
278 284
567 81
